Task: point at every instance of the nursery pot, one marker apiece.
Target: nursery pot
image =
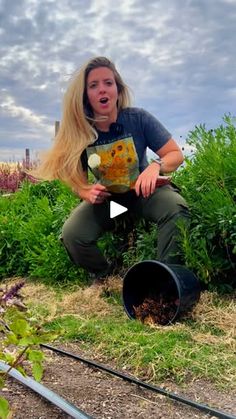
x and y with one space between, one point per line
162 292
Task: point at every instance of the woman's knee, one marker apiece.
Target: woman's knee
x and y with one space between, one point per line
68 233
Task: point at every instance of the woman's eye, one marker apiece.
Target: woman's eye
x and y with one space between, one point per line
91 86
109 82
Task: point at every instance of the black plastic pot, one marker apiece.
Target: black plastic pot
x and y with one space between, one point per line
153 280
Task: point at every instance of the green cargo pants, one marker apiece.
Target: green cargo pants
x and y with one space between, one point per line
88 222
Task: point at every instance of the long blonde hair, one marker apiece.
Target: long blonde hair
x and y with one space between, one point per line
76 131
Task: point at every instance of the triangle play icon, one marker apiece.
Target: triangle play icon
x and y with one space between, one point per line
116 209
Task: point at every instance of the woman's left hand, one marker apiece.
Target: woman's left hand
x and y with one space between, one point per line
147 180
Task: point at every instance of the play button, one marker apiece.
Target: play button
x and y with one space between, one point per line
116 209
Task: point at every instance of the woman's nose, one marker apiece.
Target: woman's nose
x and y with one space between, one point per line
102 87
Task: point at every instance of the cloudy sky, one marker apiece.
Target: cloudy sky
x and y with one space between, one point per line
177 56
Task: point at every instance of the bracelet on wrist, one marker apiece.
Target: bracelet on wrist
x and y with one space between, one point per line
161 163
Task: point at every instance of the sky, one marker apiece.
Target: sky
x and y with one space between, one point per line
177 56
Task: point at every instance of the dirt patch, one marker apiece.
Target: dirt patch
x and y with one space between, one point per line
101 395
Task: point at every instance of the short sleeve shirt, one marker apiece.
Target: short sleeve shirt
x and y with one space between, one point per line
117 157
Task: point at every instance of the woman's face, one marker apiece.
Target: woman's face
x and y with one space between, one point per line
102 92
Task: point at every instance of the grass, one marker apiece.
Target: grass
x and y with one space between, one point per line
201 345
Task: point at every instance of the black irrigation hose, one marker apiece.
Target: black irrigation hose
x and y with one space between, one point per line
203 407
52 397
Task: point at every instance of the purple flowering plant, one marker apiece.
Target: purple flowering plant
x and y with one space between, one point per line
13 174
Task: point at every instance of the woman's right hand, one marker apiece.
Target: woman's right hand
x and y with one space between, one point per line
96 194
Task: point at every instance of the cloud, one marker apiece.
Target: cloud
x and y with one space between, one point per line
12 109
177 57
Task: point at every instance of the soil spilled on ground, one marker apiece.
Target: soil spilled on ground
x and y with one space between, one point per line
159 310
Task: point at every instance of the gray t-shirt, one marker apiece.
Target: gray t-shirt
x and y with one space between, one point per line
146 130
118 156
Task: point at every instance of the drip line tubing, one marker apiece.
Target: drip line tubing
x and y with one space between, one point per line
203 407
52 397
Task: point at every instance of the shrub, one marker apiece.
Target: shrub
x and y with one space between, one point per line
208 182
30 223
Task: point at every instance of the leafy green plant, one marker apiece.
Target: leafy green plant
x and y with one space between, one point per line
208 182
30 225
143 245
21 337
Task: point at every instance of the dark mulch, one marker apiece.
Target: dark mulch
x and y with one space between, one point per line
159 310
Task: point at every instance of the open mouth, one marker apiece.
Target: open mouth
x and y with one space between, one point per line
103 100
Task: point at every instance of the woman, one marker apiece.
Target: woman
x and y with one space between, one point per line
99 131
